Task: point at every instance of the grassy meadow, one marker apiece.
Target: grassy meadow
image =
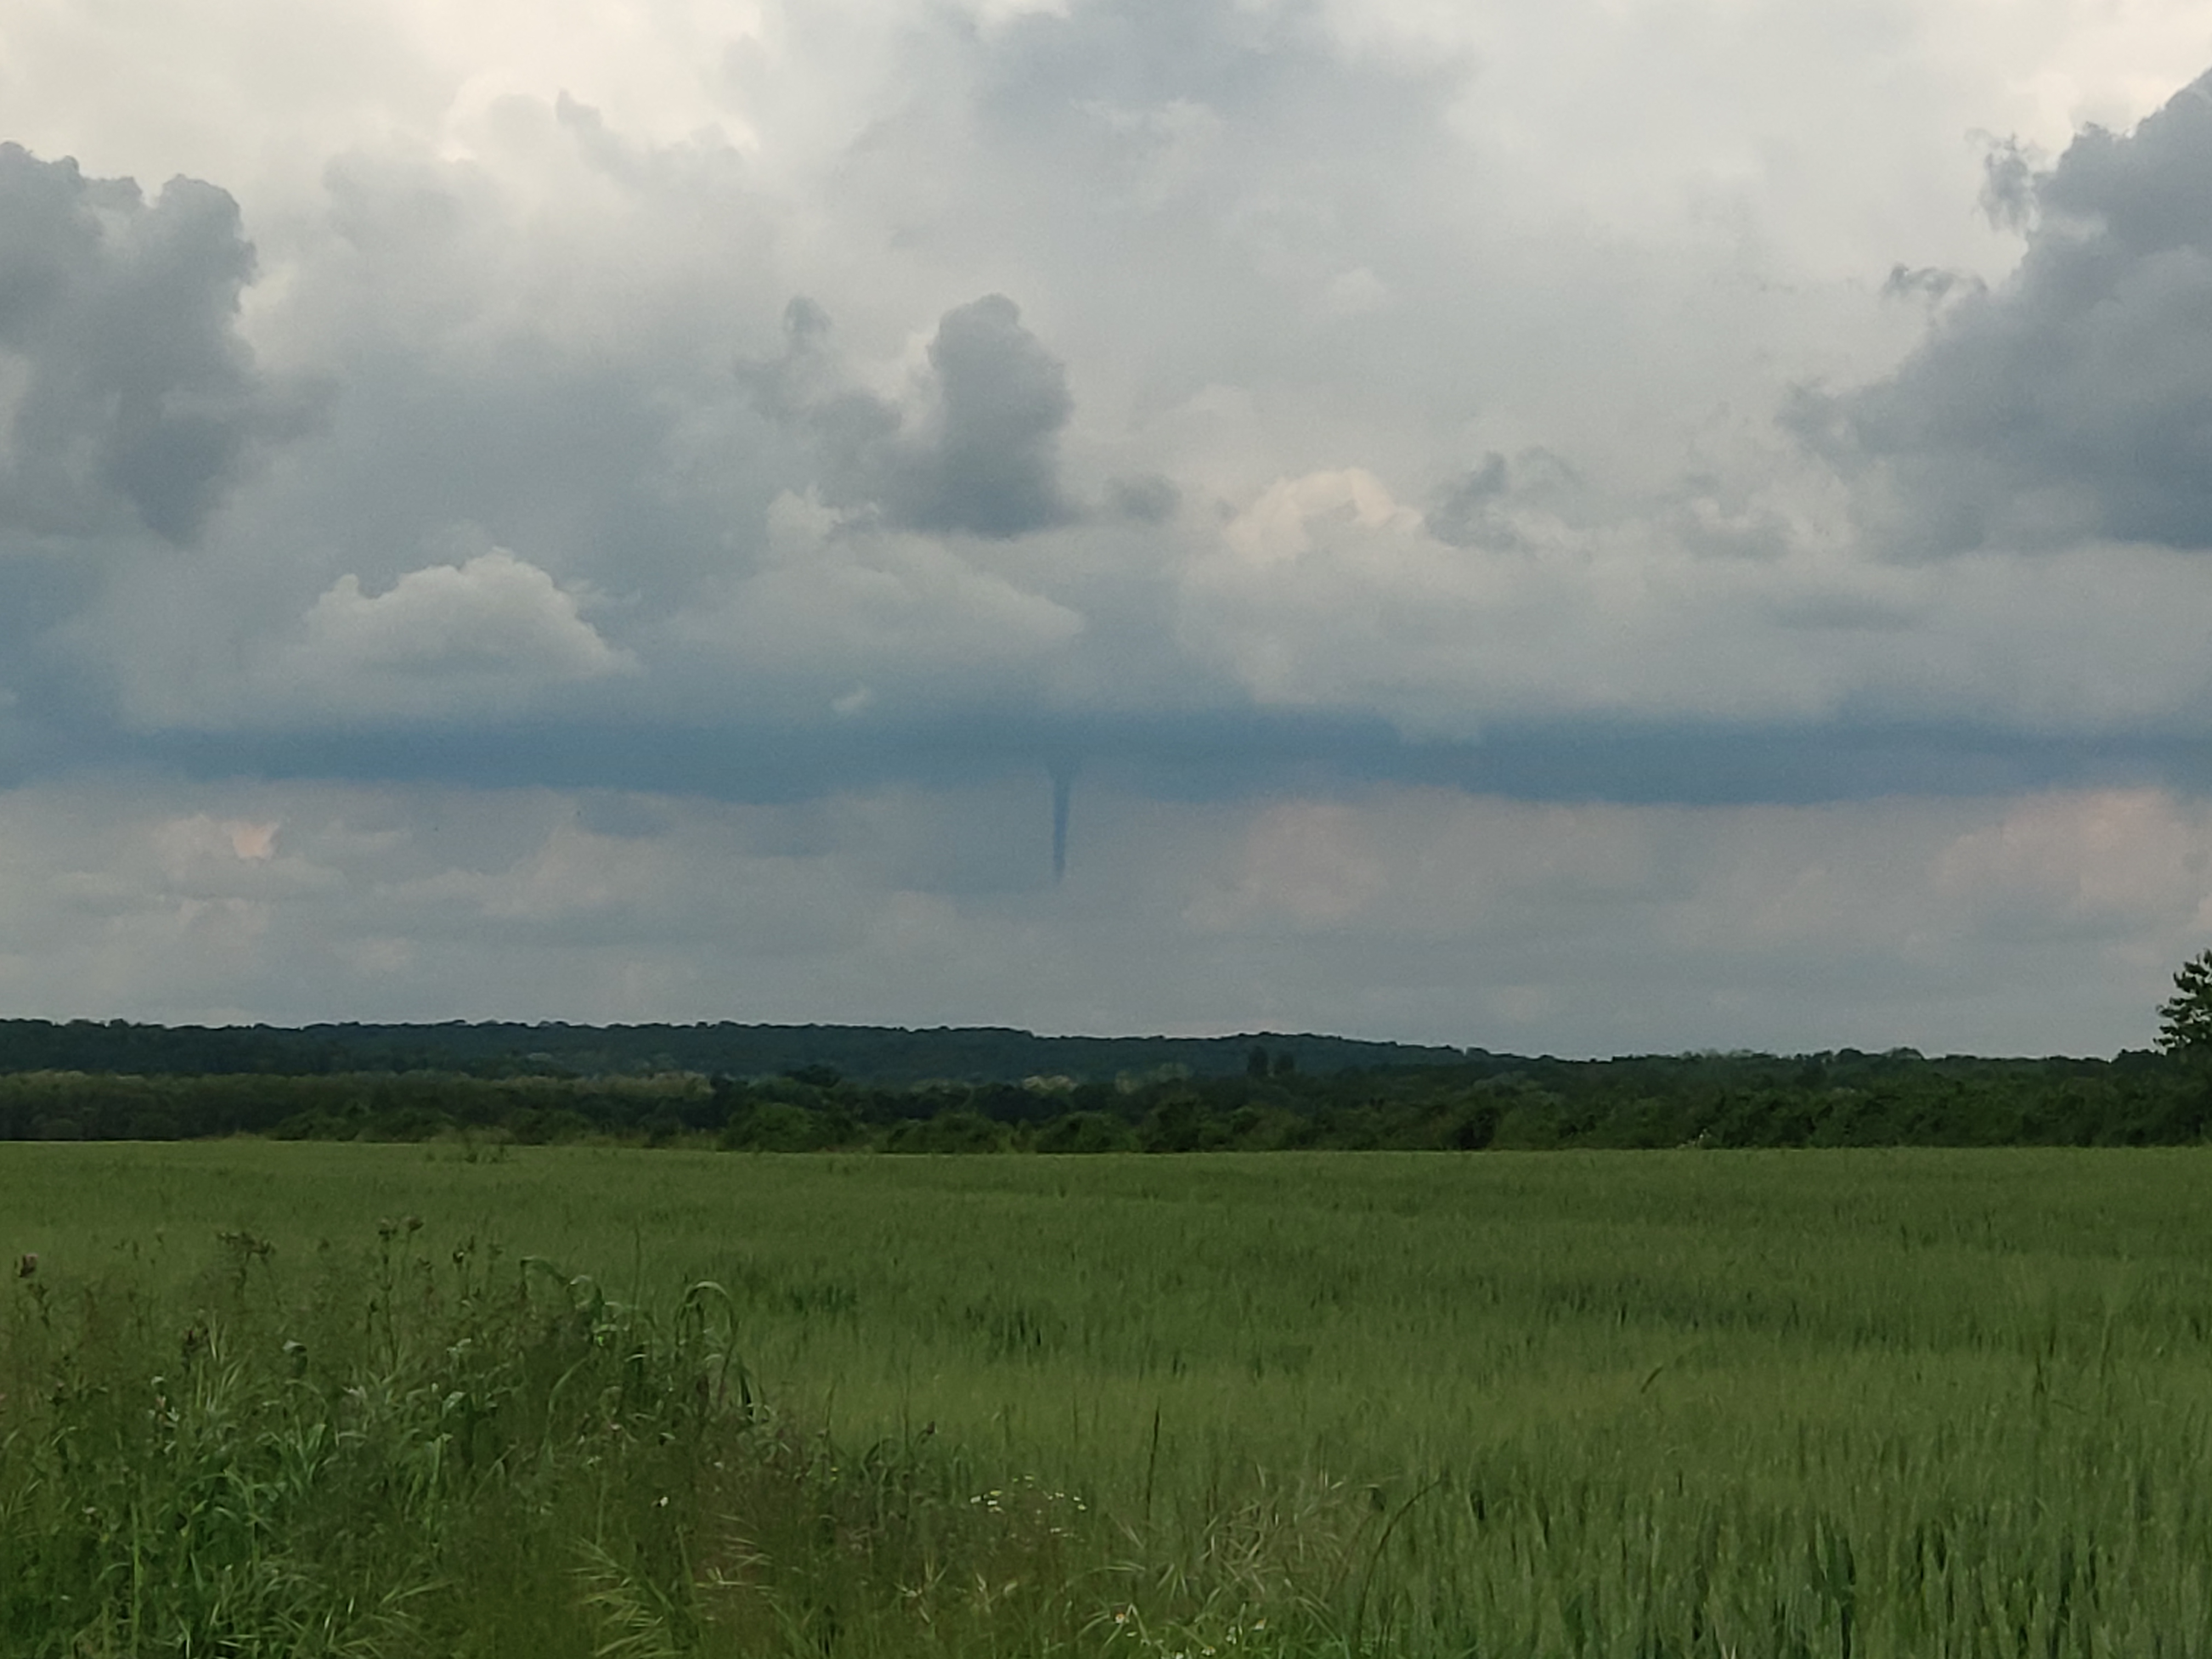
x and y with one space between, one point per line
307 1398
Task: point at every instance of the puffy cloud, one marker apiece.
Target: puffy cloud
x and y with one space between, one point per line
127 397
1389 410
839 613
474 638
1507 606
981 457
2074 400
531 326
538 335
990 449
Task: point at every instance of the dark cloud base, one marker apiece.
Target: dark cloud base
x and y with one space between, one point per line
1223 756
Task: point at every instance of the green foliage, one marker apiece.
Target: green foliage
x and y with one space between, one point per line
2184 1022
475 1457
1581 1404
877 1055
955 1131
1086 1132
1843 1099
235 1470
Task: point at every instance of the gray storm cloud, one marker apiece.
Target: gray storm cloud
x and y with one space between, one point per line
1270 519
2073 401
982 456
128 397
1377 499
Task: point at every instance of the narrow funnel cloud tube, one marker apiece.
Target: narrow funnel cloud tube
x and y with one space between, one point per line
1063 791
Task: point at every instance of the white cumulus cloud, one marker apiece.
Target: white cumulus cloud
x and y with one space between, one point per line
496 627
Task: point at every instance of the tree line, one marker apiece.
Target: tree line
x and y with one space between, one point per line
1842 1098
1276 1100
889 1055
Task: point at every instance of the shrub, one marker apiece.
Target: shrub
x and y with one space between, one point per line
1086 1132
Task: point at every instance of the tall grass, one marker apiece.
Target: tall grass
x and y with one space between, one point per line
1636 1404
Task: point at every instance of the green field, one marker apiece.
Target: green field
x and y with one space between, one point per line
1639 1403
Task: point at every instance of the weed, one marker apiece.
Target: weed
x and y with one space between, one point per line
1672 1406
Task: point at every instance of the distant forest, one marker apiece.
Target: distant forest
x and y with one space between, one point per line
823 1088
873 1055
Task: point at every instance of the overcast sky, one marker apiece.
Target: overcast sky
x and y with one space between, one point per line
1619 525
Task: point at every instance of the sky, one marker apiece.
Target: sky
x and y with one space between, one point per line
1620 526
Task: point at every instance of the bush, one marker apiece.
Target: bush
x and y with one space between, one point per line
1086 1132
775 1126
961 1131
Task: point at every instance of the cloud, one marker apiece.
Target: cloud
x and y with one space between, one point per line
980 455
478 637
842 614
1551 605
535 335
987 457
2074 400
127 397
2048 922
1350 440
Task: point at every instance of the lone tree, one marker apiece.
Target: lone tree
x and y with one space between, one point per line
2184 1022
